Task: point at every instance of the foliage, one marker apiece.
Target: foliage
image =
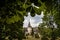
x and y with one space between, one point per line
45 32
12 14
